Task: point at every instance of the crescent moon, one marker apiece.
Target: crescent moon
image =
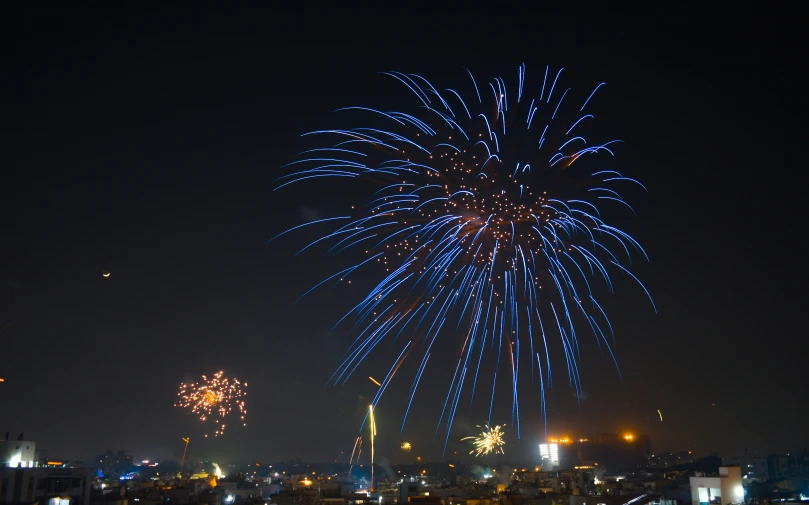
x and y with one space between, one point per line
106 274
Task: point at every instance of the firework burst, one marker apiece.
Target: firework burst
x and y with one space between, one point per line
406 446
484 228
218 397
490 441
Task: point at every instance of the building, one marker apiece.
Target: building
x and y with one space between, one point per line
760 471
723 489
613 450
17 453
113 463
668 459
744 459
48 486
617 451
408 490
549 453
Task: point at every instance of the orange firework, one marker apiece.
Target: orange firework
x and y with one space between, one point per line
218 397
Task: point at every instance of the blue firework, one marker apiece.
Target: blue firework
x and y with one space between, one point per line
485 232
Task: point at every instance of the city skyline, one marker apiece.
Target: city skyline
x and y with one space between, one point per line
140 201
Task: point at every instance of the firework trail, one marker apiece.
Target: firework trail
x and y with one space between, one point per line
489 441
372 430
217 397
482 226
357 441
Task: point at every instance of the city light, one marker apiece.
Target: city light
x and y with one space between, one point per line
629 437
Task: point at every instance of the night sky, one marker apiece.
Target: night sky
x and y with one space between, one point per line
146 143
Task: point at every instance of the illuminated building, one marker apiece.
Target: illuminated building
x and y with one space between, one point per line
17 453
723 489
550 452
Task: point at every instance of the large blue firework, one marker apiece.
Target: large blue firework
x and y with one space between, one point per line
484 231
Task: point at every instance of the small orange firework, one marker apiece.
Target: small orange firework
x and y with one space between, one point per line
218 397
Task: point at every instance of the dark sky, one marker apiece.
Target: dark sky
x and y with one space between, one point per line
146 143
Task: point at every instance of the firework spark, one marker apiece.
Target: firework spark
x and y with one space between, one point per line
483 226
372 430
489 441
217 397
406 446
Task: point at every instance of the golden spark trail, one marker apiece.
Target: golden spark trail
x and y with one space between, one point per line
351 460
373 434
489 441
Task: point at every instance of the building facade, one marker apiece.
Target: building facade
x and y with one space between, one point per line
48 486
723 489
17 453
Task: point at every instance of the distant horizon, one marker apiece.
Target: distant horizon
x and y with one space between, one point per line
466 460
397 459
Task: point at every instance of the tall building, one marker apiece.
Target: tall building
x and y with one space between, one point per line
549 452
612 450
760 471
606 439
113 463
781 466
48 486
667 459
744 460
